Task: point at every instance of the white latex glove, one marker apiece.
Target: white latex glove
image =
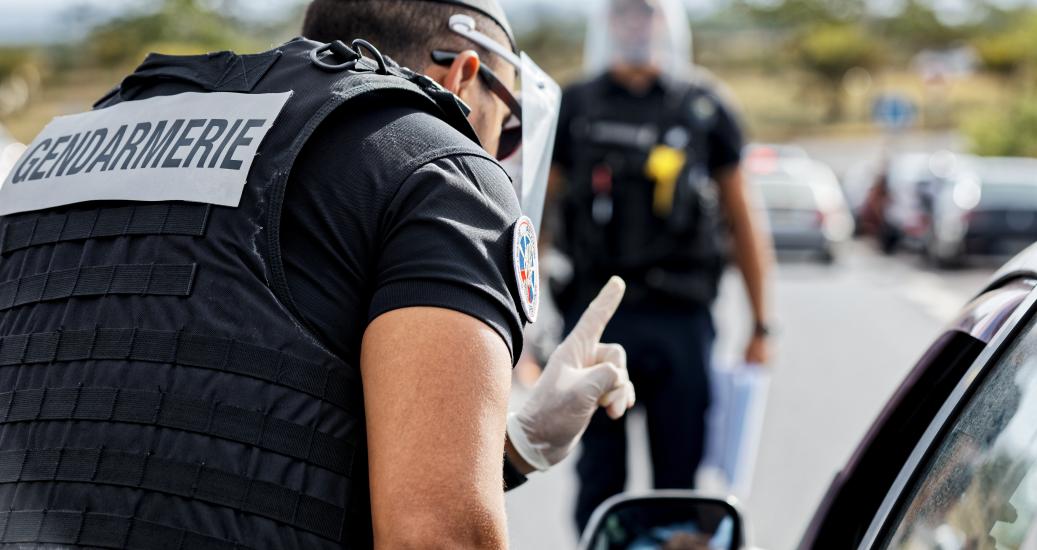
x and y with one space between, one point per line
581 375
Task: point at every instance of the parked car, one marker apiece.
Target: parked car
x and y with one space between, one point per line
857 182
804 205
950 463
902 197
993 212
901 210
774 150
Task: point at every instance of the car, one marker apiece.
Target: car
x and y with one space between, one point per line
804 206
902 197
950 462
856 182
992 212
901 214
773 151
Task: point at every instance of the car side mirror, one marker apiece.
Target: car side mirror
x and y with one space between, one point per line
665 520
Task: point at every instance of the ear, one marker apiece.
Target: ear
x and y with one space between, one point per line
461 74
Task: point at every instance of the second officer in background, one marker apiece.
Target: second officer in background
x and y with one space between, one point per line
647 168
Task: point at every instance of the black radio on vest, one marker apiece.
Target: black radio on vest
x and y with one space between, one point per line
157 393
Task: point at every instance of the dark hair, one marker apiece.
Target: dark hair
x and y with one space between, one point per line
406 30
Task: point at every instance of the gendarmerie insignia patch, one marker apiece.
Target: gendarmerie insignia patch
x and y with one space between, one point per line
195 147
526 260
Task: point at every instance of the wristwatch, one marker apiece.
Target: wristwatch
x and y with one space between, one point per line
512 477
762 329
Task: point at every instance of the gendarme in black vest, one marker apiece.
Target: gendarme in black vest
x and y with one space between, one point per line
155 391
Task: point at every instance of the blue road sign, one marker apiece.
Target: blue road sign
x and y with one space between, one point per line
893 111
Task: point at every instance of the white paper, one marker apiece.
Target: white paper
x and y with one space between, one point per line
735 424
195 147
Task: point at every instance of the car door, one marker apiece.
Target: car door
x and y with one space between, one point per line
971 480
862 485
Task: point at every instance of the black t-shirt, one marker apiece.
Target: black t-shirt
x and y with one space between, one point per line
724 138
390 207
612 222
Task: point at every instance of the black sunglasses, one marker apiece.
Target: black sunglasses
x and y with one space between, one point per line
511 131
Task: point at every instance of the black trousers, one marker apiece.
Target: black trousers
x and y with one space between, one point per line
668 354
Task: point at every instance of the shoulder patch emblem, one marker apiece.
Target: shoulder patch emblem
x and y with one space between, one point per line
526 261
704 109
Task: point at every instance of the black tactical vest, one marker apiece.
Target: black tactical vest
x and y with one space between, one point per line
157 389
611 227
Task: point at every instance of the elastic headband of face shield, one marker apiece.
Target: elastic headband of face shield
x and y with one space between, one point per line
639 32
489 8
541 98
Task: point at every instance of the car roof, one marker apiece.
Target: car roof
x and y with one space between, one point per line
1023 264
781 150
995 170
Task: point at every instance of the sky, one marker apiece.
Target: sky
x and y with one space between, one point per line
35 21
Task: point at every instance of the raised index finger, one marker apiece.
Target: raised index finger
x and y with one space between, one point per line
593 321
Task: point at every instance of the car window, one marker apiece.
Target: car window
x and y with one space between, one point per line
979 488
1009 195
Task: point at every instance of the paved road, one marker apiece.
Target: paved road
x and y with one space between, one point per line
848 333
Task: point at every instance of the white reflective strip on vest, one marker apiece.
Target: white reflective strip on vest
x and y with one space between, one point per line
195 147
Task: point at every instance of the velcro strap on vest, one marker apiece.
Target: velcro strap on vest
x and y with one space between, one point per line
197 481
139 279
88 529
150 219
184 349
209 418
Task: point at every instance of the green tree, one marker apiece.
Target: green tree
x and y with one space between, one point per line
13 60
1005 54
174 26
1010 49
917 26
828 51
1011 131
794 14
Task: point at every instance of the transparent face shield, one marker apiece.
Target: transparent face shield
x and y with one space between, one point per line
638 33
536 121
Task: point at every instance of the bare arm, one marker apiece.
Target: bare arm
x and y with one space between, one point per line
436 392
753 250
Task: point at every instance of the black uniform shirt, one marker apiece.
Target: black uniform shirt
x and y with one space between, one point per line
725 141
388 208
606 134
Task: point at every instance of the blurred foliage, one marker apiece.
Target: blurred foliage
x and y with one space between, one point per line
786 59
794 14
13 60
829 51
1010 48
173 26
832 49
918 26
20 75
1009 131
1005 54
75 72
556 44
